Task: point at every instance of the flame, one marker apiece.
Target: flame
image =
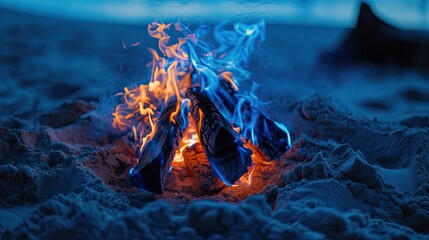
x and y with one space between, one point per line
246 179
190 138
228 77
180 65
142 106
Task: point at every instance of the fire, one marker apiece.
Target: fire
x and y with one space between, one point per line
144 104
150 112
189 139
246 179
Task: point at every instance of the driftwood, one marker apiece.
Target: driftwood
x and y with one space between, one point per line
158 154
271 139
196 160
223 147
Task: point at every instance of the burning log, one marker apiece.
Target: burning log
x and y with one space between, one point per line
222 145
171 75
268 136
158 155
197 162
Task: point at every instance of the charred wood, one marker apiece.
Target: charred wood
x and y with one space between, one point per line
270 138
157 155
223 147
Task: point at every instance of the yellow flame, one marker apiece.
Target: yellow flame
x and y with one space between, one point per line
190 138
246 179
149 136
201 114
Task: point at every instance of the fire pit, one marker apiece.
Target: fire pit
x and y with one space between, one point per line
192 109
192 128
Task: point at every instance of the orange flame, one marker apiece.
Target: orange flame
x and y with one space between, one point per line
143 105
190 137
170 76
246 179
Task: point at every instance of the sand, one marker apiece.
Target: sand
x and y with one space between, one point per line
358 167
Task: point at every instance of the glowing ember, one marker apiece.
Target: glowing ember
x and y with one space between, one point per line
189 139
194 75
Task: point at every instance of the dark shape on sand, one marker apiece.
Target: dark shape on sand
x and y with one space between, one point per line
373 40
222 145
271 140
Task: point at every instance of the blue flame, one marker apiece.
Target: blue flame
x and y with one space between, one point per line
235 46
247 120
283 127
220 175
232 54
184 110
130 173
209 65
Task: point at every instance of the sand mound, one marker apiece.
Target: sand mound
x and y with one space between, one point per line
345 177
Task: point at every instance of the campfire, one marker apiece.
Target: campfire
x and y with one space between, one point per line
193 111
